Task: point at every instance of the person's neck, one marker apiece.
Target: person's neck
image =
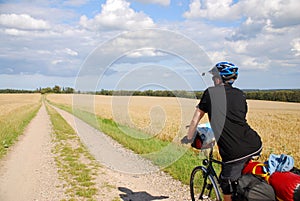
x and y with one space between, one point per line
219 84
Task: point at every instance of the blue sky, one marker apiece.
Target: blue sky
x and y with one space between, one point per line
138 44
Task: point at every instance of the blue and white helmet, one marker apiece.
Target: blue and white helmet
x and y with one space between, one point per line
226 70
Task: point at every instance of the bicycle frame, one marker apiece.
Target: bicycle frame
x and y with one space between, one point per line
208 163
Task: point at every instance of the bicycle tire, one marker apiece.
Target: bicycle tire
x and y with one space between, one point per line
210 189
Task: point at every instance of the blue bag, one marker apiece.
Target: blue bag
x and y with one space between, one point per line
279 163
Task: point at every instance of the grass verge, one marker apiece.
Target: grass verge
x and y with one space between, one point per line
13 125
174 159
77 168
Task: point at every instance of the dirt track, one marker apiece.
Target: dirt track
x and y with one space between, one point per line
28 172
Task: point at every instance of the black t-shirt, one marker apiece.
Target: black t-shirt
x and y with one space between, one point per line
227 108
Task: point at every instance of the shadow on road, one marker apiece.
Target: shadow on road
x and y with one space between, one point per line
129 195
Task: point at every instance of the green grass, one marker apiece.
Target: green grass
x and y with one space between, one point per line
174 159
13 125
77 167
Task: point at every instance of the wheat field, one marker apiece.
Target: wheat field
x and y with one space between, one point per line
278 123
10 102
16 111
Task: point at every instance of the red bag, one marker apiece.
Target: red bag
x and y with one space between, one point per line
256 168
286 185
197 143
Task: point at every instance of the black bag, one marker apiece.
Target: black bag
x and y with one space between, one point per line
252 188
295 170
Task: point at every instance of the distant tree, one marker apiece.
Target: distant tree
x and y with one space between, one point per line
68 90
46 90
56 89
137 93
148 92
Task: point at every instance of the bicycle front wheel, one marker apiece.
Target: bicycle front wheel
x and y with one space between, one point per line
203 186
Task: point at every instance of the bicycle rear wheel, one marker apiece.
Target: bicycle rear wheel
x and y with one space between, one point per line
201 188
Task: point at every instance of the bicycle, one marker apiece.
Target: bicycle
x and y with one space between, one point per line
204 182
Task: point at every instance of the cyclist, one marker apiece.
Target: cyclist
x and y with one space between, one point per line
227 108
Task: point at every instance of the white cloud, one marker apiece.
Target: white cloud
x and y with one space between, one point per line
217 56
148 52
296 46
43 10
279 13
248 29
58 61
117 15
213 10
239 47
23 21
70 52
15 32
270 17
276 13
255 63
161 2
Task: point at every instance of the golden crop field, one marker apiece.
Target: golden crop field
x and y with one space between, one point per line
163 117
10 102
278 123
16 111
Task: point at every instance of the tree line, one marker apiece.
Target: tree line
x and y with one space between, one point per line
288 95
275 95
56 89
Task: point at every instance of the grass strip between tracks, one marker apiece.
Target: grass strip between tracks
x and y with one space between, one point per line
174 159
77 167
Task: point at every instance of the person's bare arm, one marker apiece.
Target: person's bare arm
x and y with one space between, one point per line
195 120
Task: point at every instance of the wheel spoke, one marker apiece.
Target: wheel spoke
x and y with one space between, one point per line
201 189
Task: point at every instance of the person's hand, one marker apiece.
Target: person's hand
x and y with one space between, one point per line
185 140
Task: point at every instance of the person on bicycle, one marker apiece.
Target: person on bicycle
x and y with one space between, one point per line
226 107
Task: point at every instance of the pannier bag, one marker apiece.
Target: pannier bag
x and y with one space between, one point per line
286 185
252 188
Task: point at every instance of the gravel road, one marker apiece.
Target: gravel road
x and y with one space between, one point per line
28 172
